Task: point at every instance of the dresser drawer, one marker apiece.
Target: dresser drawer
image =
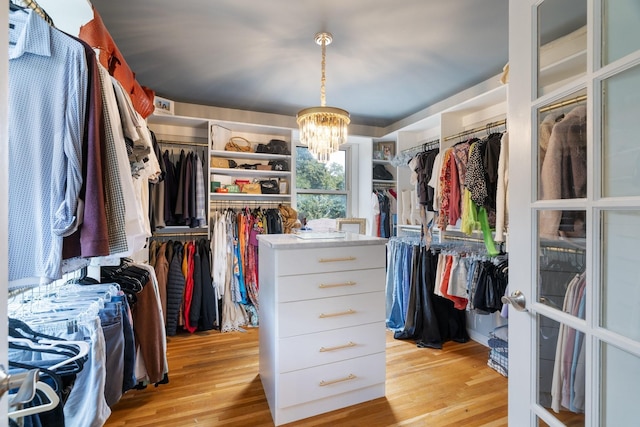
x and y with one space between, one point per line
321 260
329 380
323 314
304 351
325 285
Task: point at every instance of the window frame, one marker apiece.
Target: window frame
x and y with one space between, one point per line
348 174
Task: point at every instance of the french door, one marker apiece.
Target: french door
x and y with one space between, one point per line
574 212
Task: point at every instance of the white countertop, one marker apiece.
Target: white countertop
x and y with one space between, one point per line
290 241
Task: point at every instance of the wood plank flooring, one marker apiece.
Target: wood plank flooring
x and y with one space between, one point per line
214 381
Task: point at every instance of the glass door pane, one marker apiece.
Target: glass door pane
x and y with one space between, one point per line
560 262
620 130
562 43
562 149
620 29
620 387
561 371
620 299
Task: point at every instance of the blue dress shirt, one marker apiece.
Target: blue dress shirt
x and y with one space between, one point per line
47 96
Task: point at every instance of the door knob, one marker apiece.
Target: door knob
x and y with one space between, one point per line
26 381
517 300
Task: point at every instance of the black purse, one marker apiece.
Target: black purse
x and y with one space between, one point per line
278 146
275 146
269 186
279 165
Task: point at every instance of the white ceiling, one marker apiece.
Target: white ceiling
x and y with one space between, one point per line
388 60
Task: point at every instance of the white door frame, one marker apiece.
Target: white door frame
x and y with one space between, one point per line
4 195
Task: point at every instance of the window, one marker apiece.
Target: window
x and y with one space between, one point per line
322 189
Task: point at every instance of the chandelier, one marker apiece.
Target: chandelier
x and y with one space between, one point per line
323 129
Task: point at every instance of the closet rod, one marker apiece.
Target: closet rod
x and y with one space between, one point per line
162 235
423 146
561 104
191 144
444 239
563 250
487 127
225 203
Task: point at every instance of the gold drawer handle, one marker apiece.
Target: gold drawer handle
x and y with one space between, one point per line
348 378
347 258
338 347
341 313
335 285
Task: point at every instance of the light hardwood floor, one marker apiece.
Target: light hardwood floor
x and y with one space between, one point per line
214 381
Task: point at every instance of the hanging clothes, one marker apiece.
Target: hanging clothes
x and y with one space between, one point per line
182 191
49 173
424 170
563 175
568 382
185 284
414 310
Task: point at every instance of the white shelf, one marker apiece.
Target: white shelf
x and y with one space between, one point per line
248 197
243 155
167 119
568 68
249 172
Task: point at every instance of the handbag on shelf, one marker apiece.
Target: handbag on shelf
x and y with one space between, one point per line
275 146
279 165
217 162
241 183
269 186
249 166
238 143
252 188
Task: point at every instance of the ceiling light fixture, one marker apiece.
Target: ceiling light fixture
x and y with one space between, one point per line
323 129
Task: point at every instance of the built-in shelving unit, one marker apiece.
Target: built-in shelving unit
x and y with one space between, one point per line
221 133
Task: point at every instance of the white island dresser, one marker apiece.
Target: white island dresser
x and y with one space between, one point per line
322 323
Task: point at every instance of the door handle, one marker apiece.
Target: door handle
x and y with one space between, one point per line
26 381
517 300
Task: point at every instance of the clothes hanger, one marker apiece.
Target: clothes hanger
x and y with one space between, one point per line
48 392
13 7
74 353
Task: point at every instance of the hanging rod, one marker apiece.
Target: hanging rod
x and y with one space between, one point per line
384 184
486 127
563 250
445 238
186 234
221 204
423 146
191 144
561 104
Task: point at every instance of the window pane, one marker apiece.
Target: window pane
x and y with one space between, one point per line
620 127
620 387
561 265
562 149
561 371
313 175
316 206
620 29
562 43
620 311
